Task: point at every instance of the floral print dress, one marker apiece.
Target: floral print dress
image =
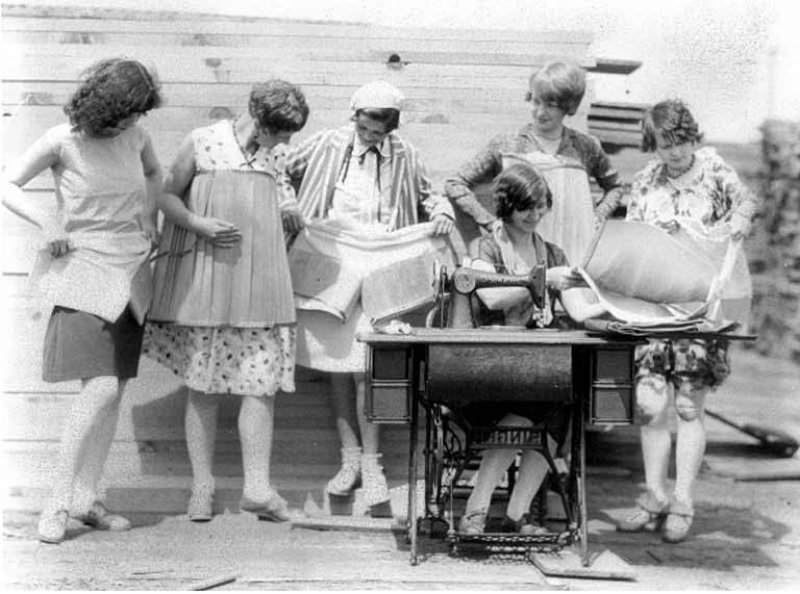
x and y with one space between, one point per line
710 194
223 319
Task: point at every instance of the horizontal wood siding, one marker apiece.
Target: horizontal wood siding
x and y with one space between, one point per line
462 87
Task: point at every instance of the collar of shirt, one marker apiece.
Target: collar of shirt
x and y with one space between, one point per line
359 148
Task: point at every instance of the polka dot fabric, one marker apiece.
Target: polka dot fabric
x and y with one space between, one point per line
244 361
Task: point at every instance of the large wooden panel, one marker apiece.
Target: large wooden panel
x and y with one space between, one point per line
259 27
230 65
462 87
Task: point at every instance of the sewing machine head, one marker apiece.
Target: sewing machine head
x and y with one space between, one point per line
458 290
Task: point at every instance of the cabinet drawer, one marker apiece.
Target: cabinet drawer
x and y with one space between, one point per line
388 395
389 403
611 405
612 387
613 366
391 364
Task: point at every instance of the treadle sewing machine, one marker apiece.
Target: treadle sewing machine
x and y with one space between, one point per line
445 368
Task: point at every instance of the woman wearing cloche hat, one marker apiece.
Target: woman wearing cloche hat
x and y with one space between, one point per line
367 177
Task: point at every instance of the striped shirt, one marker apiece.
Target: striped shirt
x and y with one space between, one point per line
315 166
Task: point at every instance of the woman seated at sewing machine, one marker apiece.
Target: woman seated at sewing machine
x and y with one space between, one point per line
514 247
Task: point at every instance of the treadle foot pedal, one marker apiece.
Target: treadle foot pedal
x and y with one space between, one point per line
338 505
567 562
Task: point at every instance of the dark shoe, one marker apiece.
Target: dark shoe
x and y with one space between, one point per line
100 518
649 515
525 526
678 522
473 522
53 526
273 509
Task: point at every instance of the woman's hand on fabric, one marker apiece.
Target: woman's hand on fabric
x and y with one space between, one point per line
561 278
488 229
292 221
218 232
151 233
670 227
740 227
442 224
57 241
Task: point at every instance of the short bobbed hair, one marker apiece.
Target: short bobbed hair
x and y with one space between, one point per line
671 121
278 106
520 187
388 116
112 91
563 83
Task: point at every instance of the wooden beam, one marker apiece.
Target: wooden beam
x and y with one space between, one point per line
615 66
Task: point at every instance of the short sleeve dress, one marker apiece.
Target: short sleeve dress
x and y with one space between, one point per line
223 319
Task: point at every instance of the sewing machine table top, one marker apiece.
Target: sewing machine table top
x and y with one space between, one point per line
494 335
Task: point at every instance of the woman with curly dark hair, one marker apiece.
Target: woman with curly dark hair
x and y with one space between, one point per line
94 270
223 316
515 247
686 187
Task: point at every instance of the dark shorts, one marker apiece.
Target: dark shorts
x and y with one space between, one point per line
79 345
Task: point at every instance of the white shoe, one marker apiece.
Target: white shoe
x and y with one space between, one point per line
349 474
53 526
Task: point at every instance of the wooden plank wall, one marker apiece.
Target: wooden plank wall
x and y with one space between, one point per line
462 87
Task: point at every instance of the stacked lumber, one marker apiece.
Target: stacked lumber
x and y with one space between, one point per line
617 125
776 267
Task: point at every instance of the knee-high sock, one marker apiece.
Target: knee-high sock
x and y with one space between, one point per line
201 432
90 412
256 424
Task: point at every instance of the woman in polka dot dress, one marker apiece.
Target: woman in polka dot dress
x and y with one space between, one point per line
223 317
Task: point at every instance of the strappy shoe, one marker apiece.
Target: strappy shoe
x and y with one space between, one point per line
53 526
348 476
525 526
373 481
473 522
273 509
201 504
99 518
678 522
649 515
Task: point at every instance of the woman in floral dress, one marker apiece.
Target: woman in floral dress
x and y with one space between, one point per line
223 316
687 187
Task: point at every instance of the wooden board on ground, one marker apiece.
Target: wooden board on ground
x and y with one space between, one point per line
567 563
757 467
359 524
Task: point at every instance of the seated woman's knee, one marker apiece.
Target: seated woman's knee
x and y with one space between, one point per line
513 420
652 397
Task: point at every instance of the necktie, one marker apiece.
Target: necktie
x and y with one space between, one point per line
378 158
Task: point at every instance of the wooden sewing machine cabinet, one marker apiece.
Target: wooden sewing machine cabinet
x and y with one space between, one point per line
440 370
